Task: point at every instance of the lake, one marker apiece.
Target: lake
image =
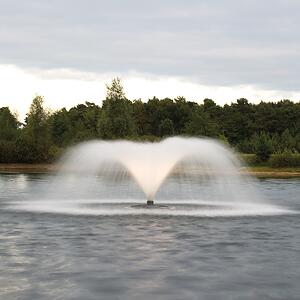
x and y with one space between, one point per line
72 253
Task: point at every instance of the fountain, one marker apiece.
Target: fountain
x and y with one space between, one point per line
151 164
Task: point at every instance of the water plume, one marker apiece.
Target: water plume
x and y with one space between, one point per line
150 164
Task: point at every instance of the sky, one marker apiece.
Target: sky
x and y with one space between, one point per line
67 50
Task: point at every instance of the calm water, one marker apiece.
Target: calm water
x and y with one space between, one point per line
63 255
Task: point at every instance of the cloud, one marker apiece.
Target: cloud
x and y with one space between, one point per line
212 42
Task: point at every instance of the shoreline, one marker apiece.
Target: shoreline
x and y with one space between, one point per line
27 168
259 172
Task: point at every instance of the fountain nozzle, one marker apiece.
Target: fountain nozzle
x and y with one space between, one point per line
150 202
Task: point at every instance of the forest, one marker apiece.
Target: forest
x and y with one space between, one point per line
269 130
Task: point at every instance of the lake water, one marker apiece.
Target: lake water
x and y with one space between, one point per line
53 251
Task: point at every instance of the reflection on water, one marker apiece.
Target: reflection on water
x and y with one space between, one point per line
67 256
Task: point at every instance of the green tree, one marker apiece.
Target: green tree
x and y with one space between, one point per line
166 128
115 90
116 119
237 121
263 146
76 125
8 125
61 128
288 142
35 142
201 124
140 118
36 120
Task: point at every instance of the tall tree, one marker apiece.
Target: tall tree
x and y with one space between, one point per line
116 119
115 90
8 135
8 125
35 141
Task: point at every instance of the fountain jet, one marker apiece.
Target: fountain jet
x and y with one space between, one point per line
150 164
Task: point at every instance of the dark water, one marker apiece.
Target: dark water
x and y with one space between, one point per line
64 256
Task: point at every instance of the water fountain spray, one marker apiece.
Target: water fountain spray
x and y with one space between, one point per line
150 164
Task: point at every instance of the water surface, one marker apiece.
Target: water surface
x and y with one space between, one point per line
46 255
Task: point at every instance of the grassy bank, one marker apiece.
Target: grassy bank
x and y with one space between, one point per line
257 171
27 168
268 172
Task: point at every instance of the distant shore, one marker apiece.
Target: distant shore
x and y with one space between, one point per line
260 172
267 172
27 168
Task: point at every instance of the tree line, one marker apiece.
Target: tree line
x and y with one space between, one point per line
262 129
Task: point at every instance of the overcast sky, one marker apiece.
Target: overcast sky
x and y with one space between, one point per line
67 49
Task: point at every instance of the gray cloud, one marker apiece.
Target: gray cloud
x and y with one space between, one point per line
213 41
